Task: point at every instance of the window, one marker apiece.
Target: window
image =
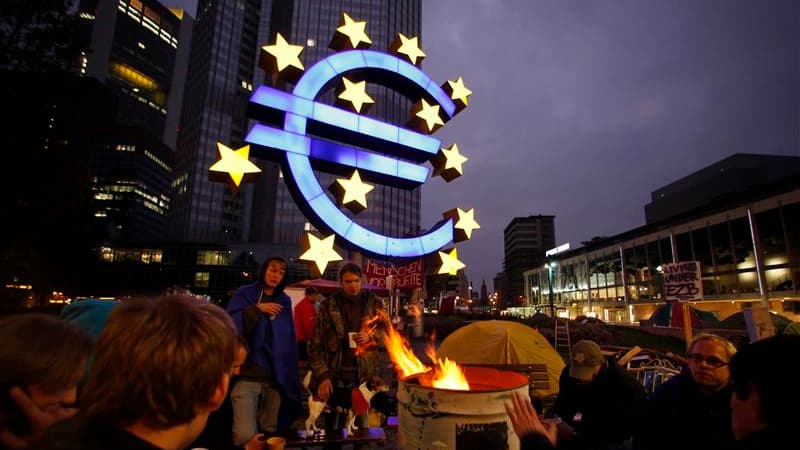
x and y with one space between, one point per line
214 257
201 279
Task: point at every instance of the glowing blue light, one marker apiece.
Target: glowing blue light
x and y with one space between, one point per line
297 147
279 139
298 109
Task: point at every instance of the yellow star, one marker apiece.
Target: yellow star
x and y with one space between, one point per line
320 251
282 58
350 34
409 47
356 94
429 114
464 223
352 192
450 262
448 163
234 163
458 92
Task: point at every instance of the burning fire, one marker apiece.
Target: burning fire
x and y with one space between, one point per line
443 375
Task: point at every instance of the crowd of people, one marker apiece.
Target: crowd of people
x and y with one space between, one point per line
155 373
726 399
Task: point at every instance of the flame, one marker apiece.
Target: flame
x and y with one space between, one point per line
368 327
449 376
405 361
445 374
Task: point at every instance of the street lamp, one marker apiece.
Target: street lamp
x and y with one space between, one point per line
550 267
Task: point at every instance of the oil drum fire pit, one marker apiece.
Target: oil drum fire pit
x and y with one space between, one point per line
436 418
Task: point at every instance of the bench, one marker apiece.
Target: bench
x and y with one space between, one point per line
360 436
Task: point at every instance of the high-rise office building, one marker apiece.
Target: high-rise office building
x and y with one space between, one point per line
139 48
224 71
218 86
526 239
392 211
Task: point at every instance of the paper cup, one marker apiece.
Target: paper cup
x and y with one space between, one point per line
351 338
276 443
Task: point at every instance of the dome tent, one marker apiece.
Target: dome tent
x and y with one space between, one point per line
499 342
671 315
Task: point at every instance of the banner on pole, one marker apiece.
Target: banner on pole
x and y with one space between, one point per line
408 276
682 281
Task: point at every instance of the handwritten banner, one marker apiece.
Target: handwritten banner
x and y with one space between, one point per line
682 281
409 276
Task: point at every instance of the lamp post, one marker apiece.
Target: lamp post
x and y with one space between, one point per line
550 266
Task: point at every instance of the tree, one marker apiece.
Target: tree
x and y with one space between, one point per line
39 35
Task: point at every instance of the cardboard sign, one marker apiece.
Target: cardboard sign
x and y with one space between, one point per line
409 276
682 281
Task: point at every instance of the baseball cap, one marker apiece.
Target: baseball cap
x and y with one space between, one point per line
586 355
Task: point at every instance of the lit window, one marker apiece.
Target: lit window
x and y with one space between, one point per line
311 43
201 279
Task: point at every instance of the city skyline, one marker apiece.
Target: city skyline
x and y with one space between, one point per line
603 103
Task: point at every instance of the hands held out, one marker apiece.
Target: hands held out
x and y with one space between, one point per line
269 308
39 417
525 420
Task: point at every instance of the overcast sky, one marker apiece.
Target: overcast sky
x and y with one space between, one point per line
581 108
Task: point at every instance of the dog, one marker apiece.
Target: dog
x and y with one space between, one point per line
360 399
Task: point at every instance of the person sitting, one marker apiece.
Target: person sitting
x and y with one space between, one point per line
598 401
765 396
161 366
42 360
692 408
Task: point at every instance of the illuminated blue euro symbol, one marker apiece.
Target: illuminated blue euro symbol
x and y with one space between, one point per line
295 148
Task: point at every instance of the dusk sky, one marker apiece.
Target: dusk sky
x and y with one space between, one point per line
581 108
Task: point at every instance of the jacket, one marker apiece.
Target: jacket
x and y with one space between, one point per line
678 415
272 345
608 406
305 317
325 350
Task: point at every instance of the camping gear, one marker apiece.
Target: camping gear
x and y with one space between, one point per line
500 342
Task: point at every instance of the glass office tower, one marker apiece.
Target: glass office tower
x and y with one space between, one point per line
224 71
312 23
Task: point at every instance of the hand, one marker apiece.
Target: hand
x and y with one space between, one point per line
40 419
362 338
324 390
525 420
272 309
256 442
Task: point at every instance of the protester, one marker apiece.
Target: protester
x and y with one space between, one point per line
267 395
335 364
765 395
305 319
692 409
161 366
597 400
42 359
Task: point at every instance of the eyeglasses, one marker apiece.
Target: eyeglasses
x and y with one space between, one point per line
711 361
